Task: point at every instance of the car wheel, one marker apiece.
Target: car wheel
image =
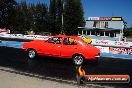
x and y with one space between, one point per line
78 59
32 54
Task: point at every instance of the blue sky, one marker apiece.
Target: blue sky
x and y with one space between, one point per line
102 8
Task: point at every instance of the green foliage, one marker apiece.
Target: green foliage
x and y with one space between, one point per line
73 16
128 32
56 15
23 17
6 12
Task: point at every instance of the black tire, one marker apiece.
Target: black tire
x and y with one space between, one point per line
78 59
31 54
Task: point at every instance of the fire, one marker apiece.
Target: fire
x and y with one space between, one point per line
81 71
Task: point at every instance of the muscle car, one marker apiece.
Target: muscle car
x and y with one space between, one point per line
62 46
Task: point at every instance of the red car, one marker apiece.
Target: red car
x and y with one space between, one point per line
62 46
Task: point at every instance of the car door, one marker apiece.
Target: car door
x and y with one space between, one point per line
69 47
53 47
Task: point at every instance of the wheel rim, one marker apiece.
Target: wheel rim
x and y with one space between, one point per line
78 60
31 54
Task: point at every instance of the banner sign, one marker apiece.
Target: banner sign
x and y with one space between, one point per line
102 42
105 18
21 36
4 30
111 43
103 49
123 43
5 35
93 18
39 37
116 19
125 51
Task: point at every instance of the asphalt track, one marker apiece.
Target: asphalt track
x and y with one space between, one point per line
62 69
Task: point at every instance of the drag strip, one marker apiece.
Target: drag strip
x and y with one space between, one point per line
60 70
61 81
37 76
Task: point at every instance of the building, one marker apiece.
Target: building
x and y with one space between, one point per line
106 28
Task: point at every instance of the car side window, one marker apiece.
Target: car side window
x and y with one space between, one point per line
69 41
55 40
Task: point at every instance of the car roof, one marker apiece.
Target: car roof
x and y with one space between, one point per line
66 36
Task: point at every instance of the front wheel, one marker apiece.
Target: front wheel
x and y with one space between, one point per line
78 59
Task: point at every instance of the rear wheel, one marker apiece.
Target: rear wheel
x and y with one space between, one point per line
78 59
32 54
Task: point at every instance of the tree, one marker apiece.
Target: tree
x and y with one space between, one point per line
128 32
52 9
73 16
26 17
6 12
55 12
20 22
30 17
52 15
59 16
40 15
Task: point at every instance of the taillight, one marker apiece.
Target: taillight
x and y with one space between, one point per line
98 55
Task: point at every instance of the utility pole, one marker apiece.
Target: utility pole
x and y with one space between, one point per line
62 15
